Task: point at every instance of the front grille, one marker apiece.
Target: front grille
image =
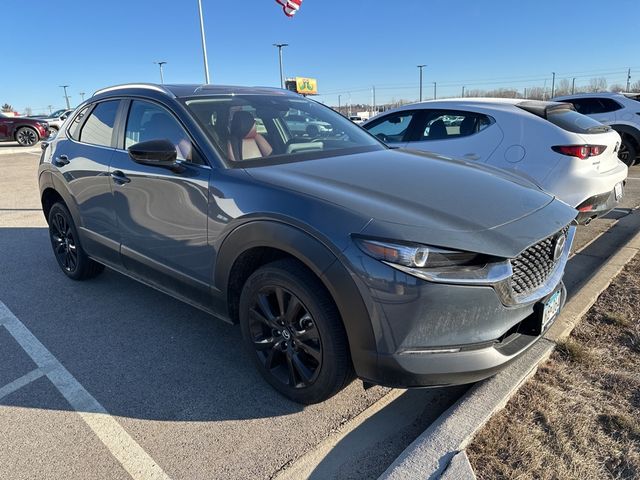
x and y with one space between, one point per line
532 268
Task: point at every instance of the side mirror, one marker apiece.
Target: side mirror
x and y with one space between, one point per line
156 153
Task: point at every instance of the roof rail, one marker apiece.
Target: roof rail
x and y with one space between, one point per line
148 86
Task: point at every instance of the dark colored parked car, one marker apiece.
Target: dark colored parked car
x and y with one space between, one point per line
26 131
336 255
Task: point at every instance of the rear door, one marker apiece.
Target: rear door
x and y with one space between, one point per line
82 157
457 134
394 128
162 215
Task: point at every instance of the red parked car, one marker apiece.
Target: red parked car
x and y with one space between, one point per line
25 131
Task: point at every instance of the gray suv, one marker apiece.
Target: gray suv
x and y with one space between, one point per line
337 255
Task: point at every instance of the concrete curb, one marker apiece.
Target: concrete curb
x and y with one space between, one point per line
437 450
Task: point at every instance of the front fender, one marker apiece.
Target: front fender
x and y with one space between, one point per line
321 260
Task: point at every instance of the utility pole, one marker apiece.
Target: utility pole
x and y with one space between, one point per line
66 97
50 107
435 95
525 93
573 85
207 79
463 91
553 85
373 89
160 64
82 96
349 108
339 110
421 67
280 46
628 80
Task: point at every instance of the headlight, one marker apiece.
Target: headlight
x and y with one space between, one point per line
418 256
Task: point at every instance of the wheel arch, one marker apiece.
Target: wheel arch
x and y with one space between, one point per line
256 243
52 189
633 132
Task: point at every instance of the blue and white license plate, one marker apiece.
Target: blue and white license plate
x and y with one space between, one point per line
551 309
619 192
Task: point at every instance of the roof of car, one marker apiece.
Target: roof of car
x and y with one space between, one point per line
191 90
590 95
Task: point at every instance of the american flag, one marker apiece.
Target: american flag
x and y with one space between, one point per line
290 7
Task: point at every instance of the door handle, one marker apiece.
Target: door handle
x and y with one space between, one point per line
119 177
61 161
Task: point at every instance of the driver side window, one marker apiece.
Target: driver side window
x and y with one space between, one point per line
147 121
393 128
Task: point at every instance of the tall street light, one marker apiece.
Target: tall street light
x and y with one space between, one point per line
280 46
339 97
66 97
204 45
435 90
160 64
421 67
553 85
82 96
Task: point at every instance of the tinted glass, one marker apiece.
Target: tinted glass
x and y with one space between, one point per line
573 121
453 124
276 128
392 128
148 121
98 129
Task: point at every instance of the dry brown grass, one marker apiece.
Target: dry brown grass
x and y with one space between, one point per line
579 416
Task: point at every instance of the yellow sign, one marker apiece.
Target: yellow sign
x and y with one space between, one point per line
306 86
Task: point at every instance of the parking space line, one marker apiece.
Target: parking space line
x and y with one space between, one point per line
23 381
125 449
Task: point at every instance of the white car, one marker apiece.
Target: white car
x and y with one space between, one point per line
568 154
621 111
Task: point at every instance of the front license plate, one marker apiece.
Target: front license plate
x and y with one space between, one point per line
551 309
618 191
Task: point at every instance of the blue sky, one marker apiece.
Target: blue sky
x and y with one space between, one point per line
347 45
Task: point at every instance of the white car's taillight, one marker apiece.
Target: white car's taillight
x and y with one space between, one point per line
580 151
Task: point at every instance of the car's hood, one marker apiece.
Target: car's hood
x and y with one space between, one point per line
442 198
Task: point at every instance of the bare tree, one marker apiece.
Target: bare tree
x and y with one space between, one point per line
598 84
28 111
6 108
636 87
563 87
535 93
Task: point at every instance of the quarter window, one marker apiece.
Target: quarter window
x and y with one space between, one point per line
98 129
591 106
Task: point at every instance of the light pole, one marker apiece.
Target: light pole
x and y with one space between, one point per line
628 80
339 111
50 107
204 45
82 96
435 95
160 64
66 97
463 91
553 85
421 67
573 86
280 46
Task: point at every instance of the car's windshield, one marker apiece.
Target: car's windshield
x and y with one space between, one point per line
251 129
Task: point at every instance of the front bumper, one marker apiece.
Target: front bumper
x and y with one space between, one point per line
433 333
459 365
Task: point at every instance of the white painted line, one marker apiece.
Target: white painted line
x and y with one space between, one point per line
21 382
124 448
633 178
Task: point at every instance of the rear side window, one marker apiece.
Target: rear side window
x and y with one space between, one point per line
392 128
591 106
443 125
98 129
74 128
575 122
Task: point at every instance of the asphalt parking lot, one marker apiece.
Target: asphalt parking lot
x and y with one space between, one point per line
111 379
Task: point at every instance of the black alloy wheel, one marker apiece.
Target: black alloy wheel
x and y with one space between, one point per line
71 258
63 242
294 332
285 337
27 136
628 152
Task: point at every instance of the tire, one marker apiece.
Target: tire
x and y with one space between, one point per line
294 332
628 150
27 136
53 131
71 258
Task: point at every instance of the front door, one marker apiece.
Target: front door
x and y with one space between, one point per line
162 215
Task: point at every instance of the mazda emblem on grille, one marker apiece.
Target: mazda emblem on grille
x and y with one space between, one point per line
561 241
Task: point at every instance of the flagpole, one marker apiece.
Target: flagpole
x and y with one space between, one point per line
204 45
